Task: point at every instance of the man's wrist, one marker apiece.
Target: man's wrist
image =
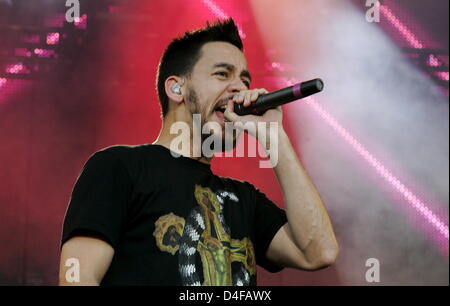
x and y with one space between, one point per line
271 137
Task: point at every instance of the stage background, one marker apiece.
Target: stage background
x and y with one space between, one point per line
375 142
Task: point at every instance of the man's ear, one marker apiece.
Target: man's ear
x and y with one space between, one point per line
174 88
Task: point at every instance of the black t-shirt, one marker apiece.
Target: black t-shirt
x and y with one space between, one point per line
171 220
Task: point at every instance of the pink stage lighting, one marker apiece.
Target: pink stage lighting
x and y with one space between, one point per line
53 38
411 39
219 13
404 31
15 68
421 208
81 22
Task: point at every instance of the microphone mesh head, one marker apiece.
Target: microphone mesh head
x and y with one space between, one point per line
319 84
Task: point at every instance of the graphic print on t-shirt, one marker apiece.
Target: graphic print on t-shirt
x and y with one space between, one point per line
168 230
207 236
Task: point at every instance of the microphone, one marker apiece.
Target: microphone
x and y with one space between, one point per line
280 97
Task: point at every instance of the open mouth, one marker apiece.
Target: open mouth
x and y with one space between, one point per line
218 111
221 108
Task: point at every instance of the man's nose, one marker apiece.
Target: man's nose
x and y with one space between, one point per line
237 85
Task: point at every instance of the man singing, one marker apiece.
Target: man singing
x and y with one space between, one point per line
155 214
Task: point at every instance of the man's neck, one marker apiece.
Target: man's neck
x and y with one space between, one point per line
165 139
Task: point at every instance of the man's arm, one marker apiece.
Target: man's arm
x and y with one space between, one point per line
94 257
307 241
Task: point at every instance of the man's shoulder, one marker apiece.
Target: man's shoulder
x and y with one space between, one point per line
123 149
130 155
133 158
126 150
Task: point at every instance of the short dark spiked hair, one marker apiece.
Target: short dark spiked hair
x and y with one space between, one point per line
183 52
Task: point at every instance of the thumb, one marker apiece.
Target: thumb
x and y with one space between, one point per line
229 113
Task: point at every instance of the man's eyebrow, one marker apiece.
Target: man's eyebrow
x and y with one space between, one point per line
244 73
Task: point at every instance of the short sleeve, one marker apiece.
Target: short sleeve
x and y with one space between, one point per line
269 218
99 200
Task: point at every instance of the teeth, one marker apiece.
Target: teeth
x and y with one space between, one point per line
221 108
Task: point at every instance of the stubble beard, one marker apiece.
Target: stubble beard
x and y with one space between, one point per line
194 108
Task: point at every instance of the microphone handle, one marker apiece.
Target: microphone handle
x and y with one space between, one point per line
280 97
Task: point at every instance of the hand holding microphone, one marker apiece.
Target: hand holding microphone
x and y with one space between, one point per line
280 97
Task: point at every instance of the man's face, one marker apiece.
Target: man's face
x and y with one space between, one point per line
220 73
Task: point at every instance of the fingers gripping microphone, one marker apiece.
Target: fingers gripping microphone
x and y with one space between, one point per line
280 97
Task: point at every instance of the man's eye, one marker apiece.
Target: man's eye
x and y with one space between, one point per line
247 83
222 73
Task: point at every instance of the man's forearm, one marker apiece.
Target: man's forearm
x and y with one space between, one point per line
307 217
